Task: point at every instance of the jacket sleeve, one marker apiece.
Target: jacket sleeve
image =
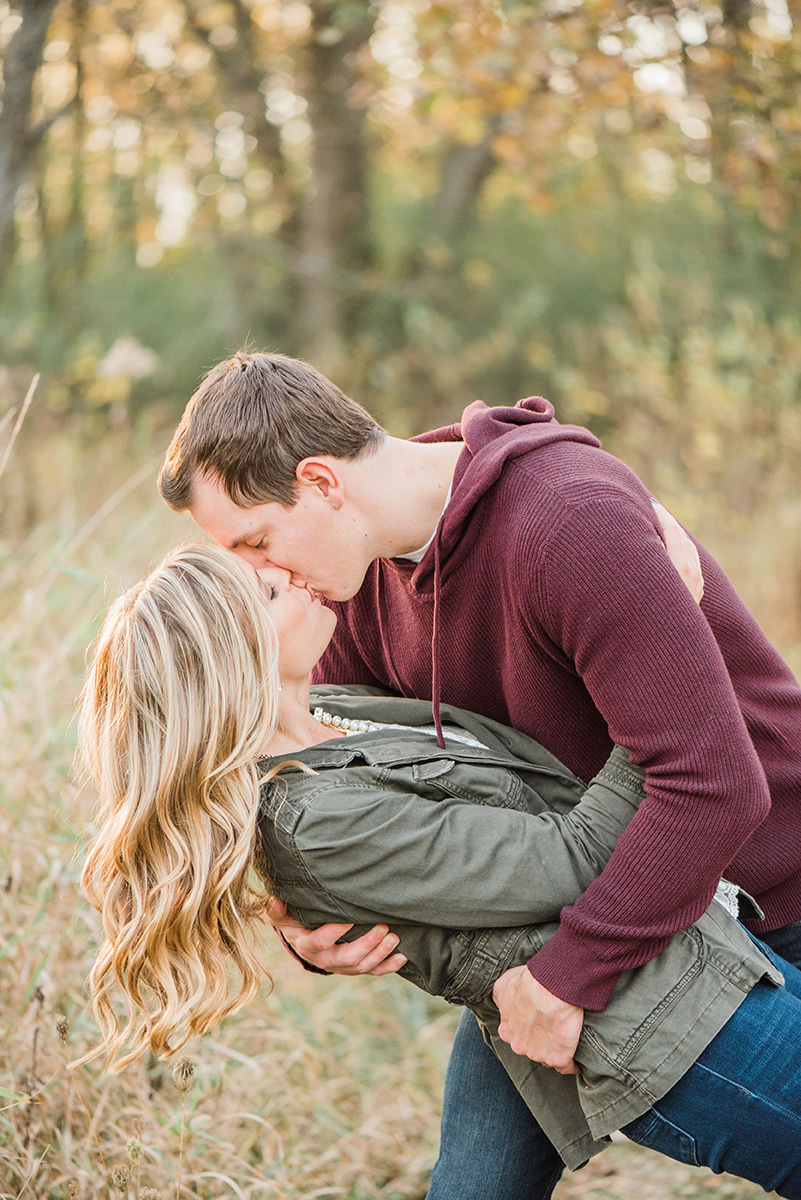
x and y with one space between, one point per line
379 854
607 595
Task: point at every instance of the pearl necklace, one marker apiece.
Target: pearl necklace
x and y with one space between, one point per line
346 724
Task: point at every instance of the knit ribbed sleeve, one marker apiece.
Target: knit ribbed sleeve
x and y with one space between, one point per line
604 591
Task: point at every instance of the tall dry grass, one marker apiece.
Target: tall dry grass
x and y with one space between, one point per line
329 1087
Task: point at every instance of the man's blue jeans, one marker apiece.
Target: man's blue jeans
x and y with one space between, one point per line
738 1109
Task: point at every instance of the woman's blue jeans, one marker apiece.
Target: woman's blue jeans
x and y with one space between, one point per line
738 1108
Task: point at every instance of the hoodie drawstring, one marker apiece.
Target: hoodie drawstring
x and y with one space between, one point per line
435 703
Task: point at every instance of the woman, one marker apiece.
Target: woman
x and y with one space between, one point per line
470 852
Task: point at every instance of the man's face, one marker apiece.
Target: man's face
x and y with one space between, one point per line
319 546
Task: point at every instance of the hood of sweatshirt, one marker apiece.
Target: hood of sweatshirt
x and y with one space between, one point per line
492 436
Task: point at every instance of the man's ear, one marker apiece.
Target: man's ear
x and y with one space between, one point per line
323 476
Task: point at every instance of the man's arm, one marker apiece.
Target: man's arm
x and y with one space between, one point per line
651 664
534 1022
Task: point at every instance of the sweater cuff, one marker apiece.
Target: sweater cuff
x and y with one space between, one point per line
569 970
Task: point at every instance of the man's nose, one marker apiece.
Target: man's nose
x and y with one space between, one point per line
287 576
257 558
271 571
294 578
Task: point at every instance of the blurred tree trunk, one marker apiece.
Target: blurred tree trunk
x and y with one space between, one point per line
731 91
243 78
76 220
334 241
465 168
64 242
17 138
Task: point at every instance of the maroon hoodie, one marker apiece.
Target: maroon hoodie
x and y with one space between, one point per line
547 601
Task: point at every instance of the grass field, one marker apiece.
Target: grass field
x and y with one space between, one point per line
326 1088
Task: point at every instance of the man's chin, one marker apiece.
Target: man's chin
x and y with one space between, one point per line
338 595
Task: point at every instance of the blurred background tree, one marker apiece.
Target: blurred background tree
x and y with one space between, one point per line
595 200
430 201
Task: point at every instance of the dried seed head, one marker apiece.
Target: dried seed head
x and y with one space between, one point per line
183 1074
151 1194
133 1150
63 1029
73 1189
120 1178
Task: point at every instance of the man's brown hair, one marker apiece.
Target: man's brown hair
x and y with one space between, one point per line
252 420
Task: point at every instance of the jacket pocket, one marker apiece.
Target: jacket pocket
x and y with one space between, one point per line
643 998
486 954
423 772
493 786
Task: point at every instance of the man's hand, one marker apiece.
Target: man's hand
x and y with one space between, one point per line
371 954
682 552
536 1023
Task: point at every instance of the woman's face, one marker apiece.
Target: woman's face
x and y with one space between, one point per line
302 622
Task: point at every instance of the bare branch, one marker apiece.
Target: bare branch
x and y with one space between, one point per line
38 132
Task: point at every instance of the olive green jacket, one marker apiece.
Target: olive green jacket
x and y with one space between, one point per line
469 855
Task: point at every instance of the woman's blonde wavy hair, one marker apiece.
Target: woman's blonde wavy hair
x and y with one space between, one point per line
179 706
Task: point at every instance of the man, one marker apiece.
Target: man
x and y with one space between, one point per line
510 566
